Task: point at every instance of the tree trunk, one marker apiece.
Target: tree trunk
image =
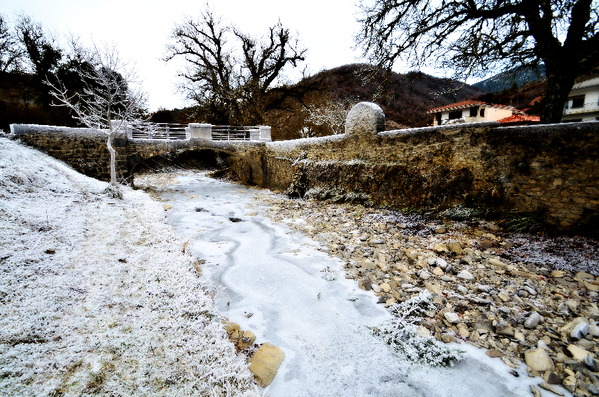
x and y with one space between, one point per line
112 160
560 79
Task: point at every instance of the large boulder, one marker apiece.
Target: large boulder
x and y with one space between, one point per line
365 118
265 363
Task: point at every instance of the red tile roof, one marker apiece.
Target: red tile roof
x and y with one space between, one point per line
467 104
518 118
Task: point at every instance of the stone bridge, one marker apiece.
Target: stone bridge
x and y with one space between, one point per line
85 149
549 171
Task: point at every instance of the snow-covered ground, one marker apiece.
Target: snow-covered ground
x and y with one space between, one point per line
275 274
97 295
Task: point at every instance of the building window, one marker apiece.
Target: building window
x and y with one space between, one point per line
455 115
575 102
482 112
474 111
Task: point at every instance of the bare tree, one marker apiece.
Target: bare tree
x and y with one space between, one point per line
11 53
476 37
107 102
332 114
230 73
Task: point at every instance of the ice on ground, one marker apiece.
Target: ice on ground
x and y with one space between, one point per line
323 326
96 294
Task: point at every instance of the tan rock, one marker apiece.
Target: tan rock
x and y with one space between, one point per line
496 263
455 247
494 353
440 248
557 274
463 330
247 339
570 383
435 288
231 327
440 229
423 331
535 391
591 285
578 353
167 207
368 265
438 272
504 296
584 276
538 360
385 287
265 363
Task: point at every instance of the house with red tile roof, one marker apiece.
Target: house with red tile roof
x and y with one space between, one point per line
471 111
583 102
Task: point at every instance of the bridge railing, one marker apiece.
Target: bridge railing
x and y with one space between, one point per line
171 131
232 133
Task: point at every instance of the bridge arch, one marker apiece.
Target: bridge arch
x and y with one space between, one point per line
245 167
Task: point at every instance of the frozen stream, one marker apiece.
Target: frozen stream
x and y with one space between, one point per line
269 270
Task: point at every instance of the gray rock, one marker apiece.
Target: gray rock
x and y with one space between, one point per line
365 118
442 263
452 317
365 284
424 275
580 331
591 363
465 275
533 320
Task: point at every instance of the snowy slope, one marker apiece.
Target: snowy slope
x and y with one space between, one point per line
96 295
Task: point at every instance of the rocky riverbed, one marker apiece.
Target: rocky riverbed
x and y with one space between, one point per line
524 298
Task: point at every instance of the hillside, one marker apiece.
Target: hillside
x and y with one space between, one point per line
511 79
405 98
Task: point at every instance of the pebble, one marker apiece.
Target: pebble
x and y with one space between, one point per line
533 320
453 318
480 296
580 331
465 275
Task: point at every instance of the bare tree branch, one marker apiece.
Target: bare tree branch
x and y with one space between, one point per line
476 37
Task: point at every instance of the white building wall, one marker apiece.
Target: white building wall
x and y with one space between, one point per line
589 111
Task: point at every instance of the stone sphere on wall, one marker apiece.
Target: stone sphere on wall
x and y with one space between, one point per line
365 118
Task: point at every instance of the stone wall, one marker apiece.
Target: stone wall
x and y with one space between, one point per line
551 170
83 149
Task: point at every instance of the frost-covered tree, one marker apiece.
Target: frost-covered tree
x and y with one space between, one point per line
107 101
331 114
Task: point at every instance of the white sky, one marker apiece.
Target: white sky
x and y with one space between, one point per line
141 30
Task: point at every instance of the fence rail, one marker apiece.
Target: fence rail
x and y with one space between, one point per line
172 131
169 131
232 133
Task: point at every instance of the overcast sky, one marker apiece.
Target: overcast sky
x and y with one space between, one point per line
141 30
